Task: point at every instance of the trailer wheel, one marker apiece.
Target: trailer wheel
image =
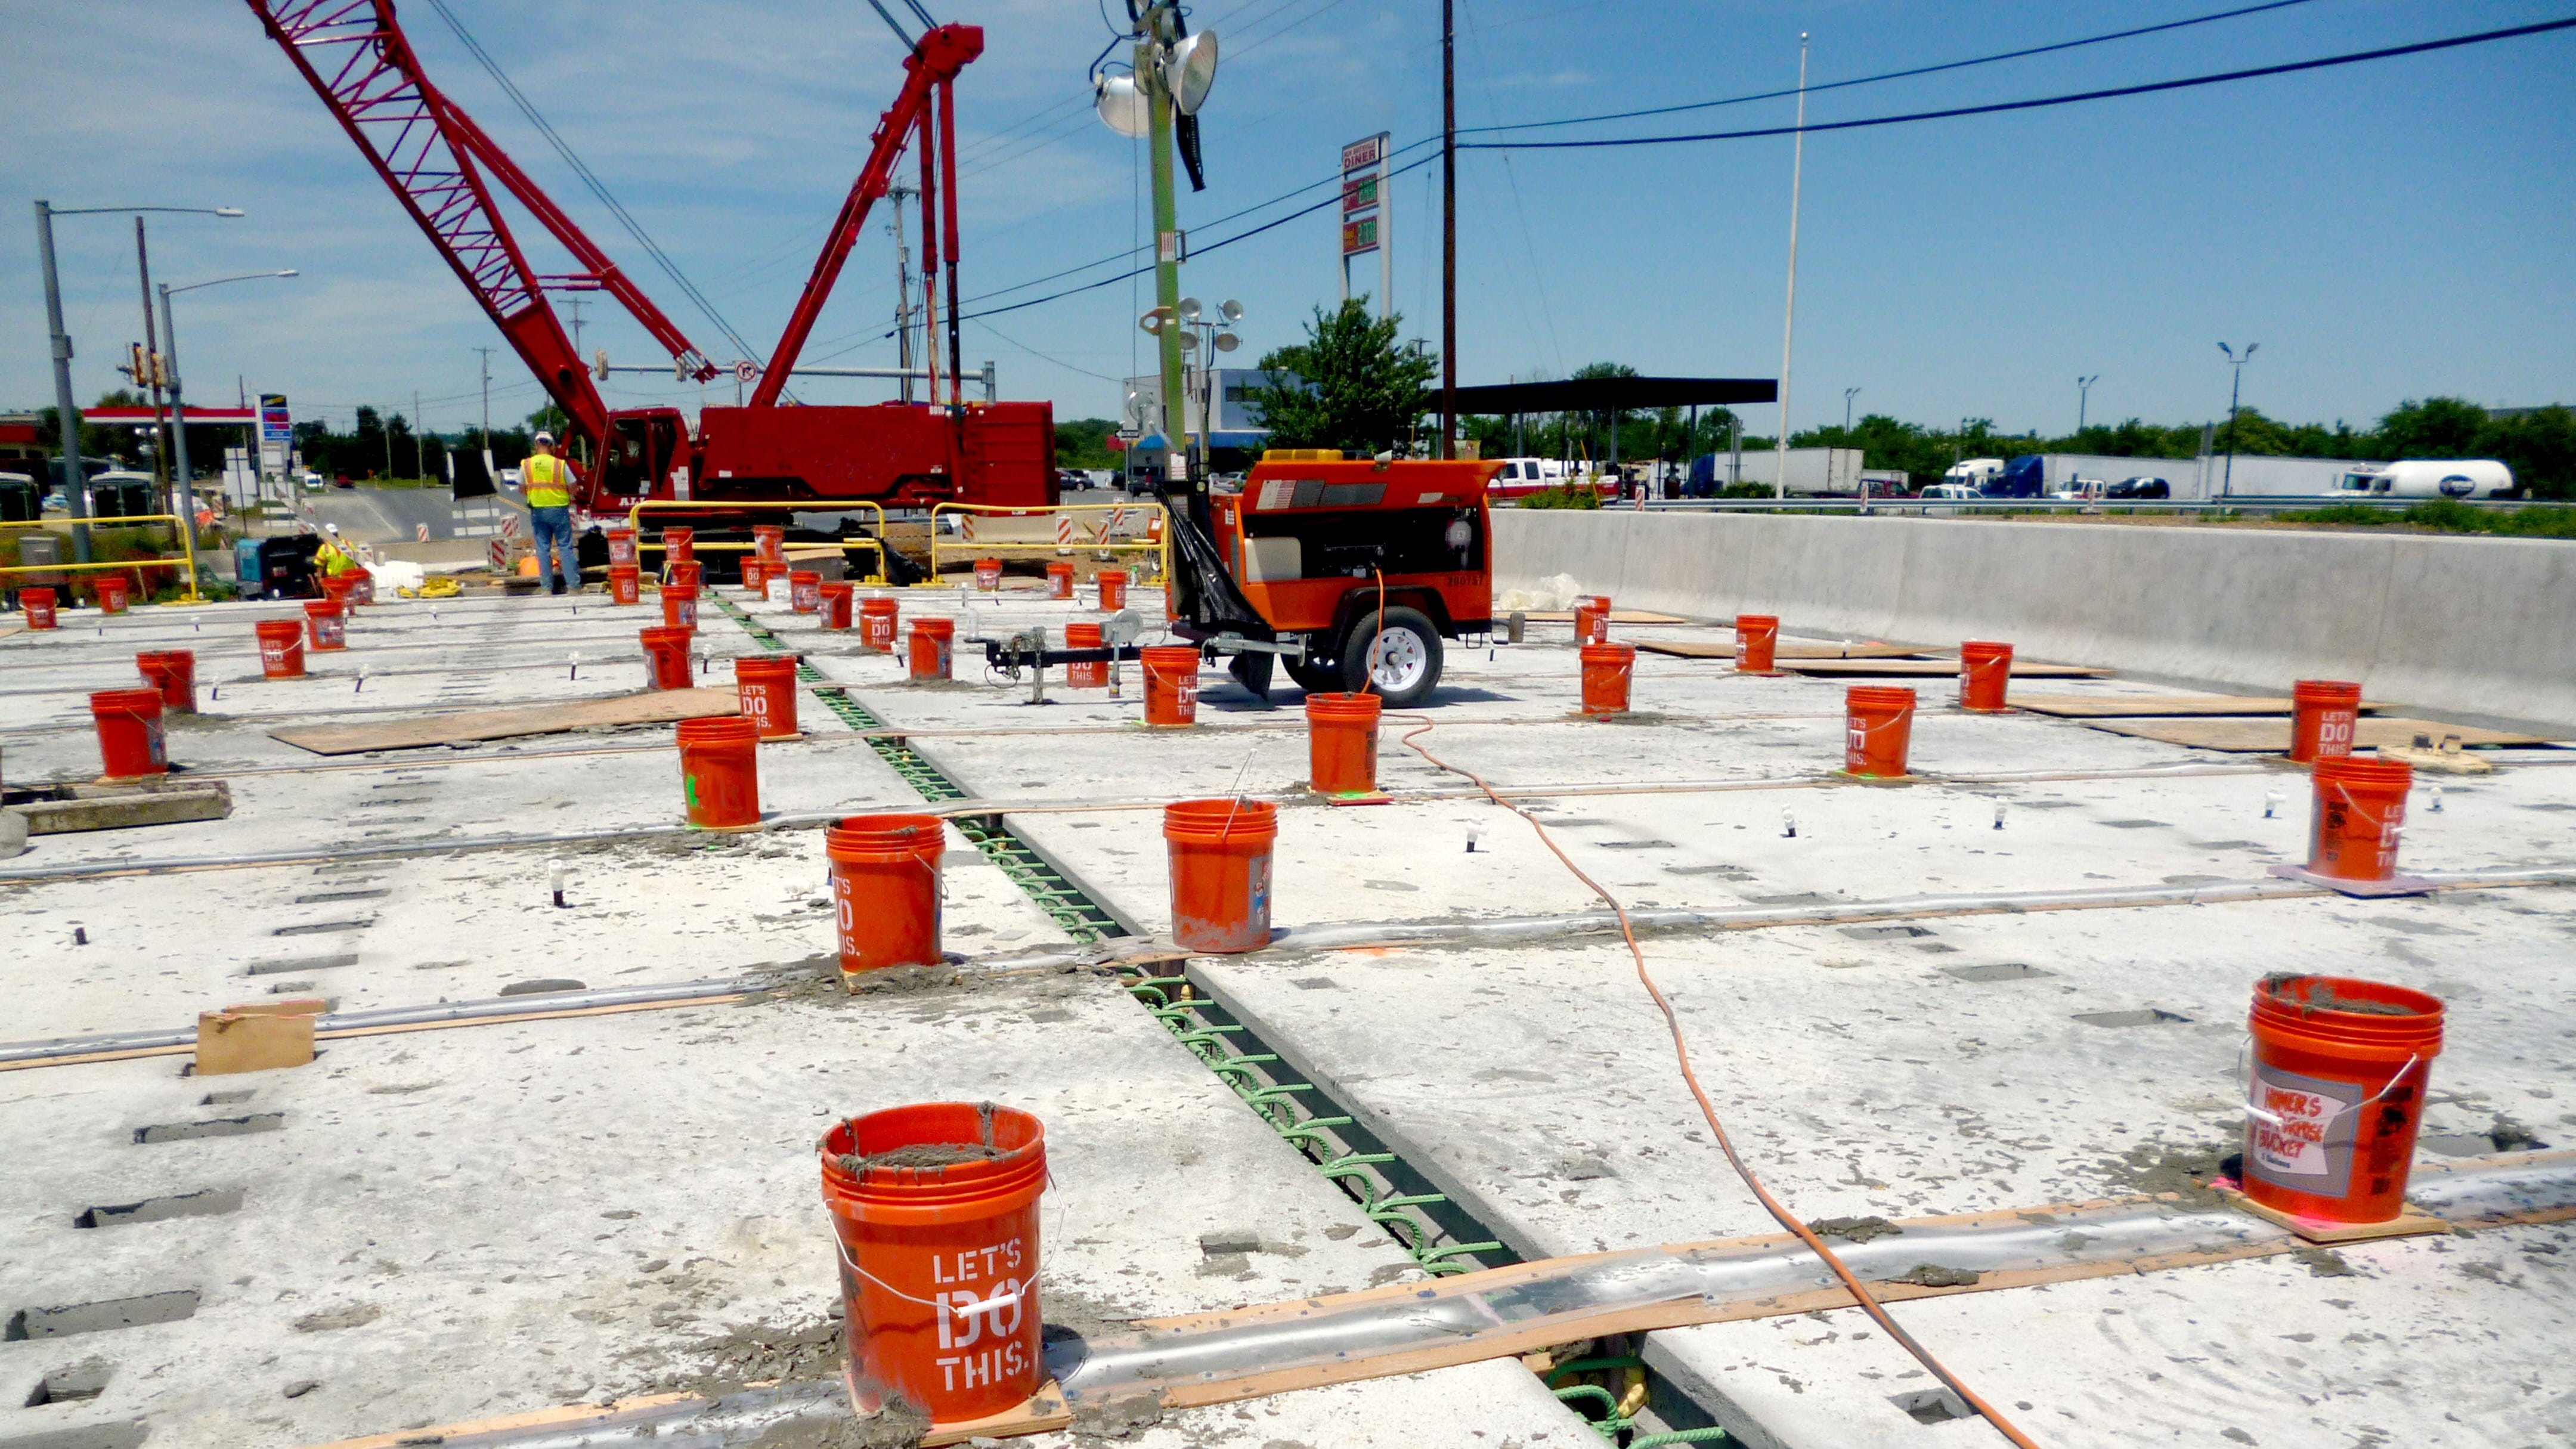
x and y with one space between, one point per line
1397 659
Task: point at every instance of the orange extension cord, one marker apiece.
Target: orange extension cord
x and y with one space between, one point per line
1681 1053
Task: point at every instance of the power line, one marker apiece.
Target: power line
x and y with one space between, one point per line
2149 88
591 181
1898 74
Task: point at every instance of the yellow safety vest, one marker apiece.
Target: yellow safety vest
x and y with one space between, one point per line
546 481
333 561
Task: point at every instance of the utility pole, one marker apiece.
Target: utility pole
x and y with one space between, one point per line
2083 396
487 404
1848 394
66 416
1789 314
419 467
898 195
385 425
2235 393
1158 31
1448 231
152 365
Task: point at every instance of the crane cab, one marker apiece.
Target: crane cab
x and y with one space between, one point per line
1369 565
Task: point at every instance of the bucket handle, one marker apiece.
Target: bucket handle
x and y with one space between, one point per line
965 1310
2273 1119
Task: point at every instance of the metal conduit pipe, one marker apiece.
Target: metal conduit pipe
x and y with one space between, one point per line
1347 935
347 1022
1231 1355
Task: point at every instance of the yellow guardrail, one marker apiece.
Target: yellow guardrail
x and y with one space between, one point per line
1158 544
635 521
185 560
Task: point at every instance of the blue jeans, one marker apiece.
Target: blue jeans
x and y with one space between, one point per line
553 528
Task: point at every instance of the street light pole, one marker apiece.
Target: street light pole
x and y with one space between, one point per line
2083 396
1448 233
75 483
66 416
1848 394
1789 313
2235 394
184 503
150 382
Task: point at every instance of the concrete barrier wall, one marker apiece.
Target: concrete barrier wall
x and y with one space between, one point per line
2466 625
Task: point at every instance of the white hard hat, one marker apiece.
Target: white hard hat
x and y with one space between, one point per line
545 437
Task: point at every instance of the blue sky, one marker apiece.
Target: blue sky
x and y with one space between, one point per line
2385 231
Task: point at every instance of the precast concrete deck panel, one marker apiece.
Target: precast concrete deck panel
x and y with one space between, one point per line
455 1225
1944 1062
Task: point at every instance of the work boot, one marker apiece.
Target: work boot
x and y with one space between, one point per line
554 586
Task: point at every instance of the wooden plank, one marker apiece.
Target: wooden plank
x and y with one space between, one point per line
1930 668
127 809
2271 735
2140 706
1698 649
658 706
1617 616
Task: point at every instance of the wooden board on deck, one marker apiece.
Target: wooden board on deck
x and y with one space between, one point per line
1928 668
1695 649
2271 735
2141 706
1617 616
658 706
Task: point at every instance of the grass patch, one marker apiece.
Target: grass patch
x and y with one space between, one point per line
2450 515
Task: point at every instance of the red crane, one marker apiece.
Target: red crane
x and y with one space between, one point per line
439 164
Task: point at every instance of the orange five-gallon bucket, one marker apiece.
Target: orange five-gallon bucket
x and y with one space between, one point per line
625 584
1084 676
1113 589
1757 642
804 591
173 672
679 546
935 1210
767 689
1060 581
1220 852
666 657
988 574
1592 619
2340 1072
281 648
1607 669
129 732
885 889
2322 716
621 547
679 606
687 573
877 624
326 625
111 594
933 648
2358 815
755 574
835 599
39 604
771 539
720 771
1878 726
1985 676
1341 742
1171 684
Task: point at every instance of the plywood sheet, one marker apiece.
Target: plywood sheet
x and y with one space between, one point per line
1928 668
1700 649
2271 736
2142 706
661 706
1617 616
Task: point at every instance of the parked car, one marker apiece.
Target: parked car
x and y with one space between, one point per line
2139 488
2078 490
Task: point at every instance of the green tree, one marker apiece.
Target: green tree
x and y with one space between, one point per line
1349 385
2440 427
1084 443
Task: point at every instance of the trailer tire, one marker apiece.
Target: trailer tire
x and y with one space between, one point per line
1397 660
1313 677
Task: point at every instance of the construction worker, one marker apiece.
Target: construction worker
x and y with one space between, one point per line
546 482
329 556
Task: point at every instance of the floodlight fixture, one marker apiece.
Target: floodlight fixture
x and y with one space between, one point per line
1189 70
